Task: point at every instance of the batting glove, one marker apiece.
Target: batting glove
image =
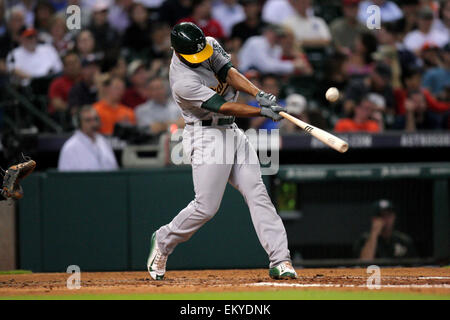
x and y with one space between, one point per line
272 112
266 99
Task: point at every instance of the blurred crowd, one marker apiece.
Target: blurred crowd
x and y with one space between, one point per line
393 77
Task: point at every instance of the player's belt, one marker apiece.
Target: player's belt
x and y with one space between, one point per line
211 122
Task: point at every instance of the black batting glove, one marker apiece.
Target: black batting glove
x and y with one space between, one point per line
272 112
266 99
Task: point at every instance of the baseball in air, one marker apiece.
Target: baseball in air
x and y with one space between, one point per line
332 94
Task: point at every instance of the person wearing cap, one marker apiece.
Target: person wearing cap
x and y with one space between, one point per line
310 30
252 25
416 39
265 55
138 77
85 91
389 11
383 241
205 86
32 60
345 30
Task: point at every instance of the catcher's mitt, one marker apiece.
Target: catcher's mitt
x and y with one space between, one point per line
14 174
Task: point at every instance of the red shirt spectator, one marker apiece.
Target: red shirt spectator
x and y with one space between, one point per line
432 102
201 16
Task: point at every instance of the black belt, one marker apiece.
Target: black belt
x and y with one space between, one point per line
209 122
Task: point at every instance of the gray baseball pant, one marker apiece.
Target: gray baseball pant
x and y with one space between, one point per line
210 180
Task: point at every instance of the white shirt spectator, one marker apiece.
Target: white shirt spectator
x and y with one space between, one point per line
439 26
389 12
153 112
308 28
118 18
43 61
257 53
416 39
277 11
228 15
81 153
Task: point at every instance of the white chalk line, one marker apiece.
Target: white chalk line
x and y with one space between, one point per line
332 285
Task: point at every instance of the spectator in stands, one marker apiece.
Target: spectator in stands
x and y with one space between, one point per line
109 108
437 79
292 51
137 35
201 16
228 13
269 84
252 24
265 55
389 11
161 47
60 38
87 150
310 30
361 120
172 11
383 241
277 11
443 23
85 91
417 107
11 38
119 15
138 76
27 6
345 30
119 68
392 52
379 81
360 62
410 9
58 93
32 60
3 27
42 16
85 44
160 111
425 34
106 38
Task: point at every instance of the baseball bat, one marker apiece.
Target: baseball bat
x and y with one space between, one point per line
327 138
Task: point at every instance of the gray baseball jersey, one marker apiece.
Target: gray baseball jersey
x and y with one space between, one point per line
191 87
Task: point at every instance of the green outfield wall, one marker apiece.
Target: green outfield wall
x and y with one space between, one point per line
103 221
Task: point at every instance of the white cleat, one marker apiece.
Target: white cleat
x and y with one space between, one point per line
284 270
156 263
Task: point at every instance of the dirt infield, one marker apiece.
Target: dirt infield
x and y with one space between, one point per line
418 280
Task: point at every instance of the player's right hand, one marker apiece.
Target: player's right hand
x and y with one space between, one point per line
272 112
266 99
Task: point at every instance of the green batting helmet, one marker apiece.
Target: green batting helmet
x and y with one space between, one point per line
189 41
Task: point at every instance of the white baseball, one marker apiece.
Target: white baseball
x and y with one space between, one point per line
332 94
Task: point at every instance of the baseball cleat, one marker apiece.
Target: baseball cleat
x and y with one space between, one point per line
156 263
284 270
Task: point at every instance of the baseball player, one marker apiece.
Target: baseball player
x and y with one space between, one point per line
205 86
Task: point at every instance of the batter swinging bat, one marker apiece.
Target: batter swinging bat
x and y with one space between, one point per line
327 138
